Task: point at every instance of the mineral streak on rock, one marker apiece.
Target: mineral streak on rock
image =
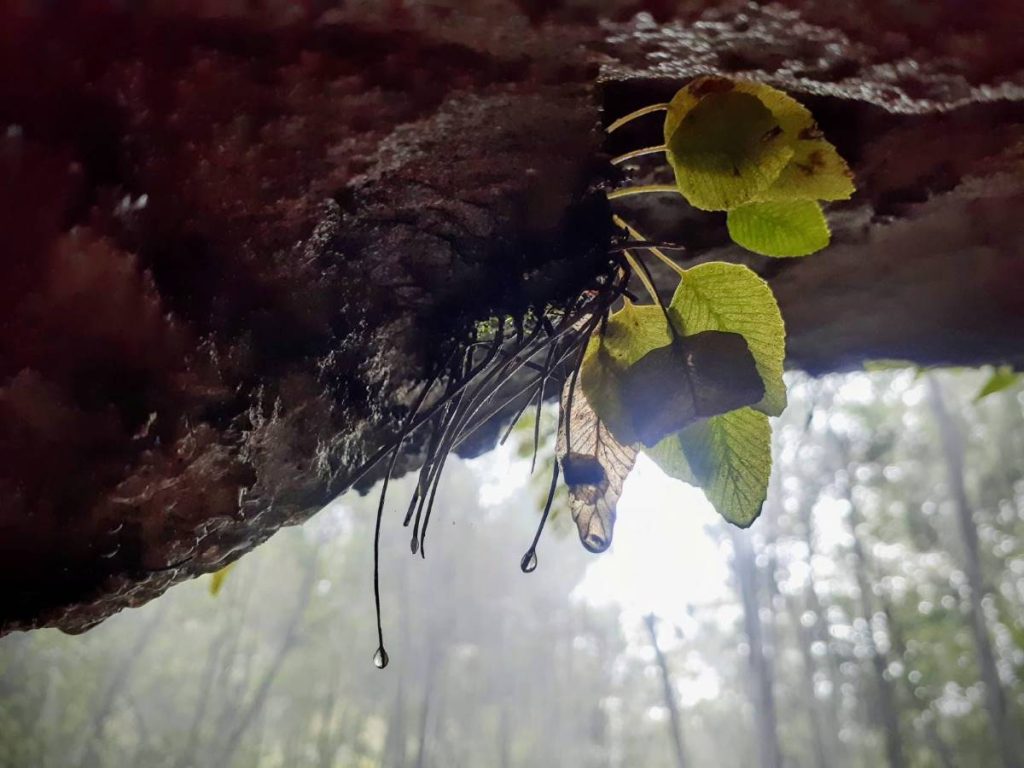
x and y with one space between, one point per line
235 243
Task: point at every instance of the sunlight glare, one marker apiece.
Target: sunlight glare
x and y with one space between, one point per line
662 559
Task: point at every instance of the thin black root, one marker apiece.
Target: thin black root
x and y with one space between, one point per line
529 562
467 401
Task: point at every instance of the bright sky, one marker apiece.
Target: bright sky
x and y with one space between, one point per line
662 559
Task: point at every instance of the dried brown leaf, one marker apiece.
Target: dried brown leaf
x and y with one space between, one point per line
594 466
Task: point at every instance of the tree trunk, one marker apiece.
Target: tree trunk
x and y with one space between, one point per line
888 714
943 754
327 739
1000 723
207 680
804 641
434 660
504 735
256 702
669 693
761 688
93 734
820 633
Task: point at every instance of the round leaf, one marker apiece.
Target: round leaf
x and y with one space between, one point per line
781 229
726 150
729 456
729 297
694 377
815 171
645 384
630 334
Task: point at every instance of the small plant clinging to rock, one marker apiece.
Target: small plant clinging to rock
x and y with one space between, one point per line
690 382
693 382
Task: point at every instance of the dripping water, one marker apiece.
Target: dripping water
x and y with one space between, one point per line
529 562
381 657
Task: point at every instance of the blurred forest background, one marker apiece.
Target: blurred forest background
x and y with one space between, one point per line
873 616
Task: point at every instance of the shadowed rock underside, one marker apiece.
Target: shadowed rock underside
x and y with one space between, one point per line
236 245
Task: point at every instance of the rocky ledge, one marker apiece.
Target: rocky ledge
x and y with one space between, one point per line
235 244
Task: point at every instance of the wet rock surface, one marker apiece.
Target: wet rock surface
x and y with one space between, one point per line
237 245
922 265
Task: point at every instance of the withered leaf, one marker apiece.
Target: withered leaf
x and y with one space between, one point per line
595 466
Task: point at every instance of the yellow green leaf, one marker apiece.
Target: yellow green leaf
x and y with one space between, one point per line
730 297
695 377
726 150
217 580
728 456
884 365
780 229
630 334
1002 378
644 388
814 170
790 114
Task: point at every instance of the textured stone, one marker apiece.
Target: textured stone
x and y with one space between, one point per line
236 244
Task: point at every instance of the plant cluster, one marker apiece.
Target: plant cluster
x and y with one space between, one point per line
690 382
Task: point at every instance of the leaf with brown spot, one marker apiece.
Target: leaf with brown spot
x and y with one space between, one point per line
813 170
725 149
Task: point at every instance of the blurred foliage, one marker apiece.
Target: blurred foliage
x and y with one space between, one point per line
490 667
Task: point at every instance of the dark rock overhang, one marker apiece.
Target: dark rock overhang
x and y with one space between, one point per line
233 246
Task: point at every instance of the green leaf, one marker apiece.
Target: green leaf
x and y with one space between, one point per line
729 297
884 365
814 170
726 149
644 383
729 456
630 334
1002 378
669 455
217 580
695 377
780 229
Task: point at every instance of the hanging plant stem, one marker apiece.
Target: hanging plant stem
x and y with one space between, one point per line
634 115
644 189
638 153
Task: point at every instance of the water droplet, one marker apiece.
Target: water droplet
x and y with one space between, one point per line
380 658
529 562
414 544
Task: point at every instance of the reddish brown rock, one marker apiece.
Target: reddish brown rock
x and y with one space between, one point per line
234 244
